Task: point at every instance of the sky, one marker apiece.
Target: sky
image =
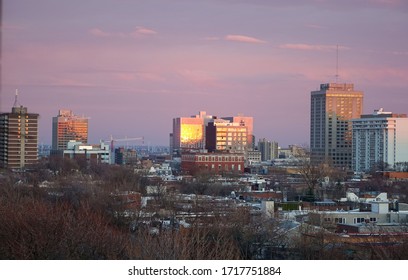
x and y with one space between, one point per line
132 66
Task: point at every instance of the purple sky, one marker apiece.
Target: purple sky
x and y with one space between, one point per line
132 66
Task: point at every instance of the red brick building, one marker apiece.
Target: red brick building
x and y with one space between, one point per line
217 163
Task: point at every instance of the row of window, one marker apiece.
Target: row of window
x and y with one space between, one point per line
226 167
219 158
342 220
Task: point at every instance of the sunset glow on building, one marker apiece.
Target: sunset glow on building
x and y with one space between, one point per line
66 127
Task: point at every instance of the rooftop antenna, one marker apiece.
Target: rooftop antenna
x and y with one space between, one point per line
337 63
15 99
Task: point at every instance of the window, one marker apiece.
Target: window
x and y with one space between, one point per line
359 220
340 220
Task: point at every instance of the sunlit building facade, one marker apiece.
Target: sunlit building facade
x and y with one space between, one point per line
66 127
207 133
189 133
380 141
248 122
223 135
18 138
332 109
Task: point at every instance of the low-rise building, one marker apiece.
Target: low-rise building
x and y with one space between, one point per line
94 153
370 211
216 163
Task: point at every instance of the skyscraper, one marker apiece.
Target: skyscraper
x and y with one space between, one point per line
380 140
67 126
18 138
332 109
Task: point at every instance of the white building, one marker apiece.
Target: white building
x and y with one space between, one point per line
96 153
379 140
379 213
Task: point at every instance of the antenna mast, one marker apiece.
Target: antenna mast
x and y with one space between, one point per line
337 63
15 99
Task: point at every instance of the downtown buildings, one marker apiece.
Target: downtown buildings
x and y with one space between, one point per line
332 109
342 136
18 138
210 144
70 139
208 132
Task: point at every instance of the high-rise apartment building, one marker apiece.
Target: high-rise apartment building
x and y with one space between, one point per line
18 138
269 149
332 109
66 127
379 140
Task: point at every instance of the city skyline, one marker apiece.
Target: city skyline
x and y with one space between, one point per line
147 62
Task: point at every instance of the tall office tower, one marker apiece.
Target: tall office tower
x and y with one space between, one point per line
67 126
379 140
18 138
249 123
269 149
332 109
189 132
223 135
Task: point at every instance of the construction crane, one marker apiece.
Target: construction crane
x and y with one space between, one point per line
126 139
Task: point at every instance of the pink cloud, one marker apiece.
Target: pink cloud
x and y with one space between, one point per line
200 78
66 82
99 33
244 39
144 31
307 47
144 76
315 26
138 32
399 53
